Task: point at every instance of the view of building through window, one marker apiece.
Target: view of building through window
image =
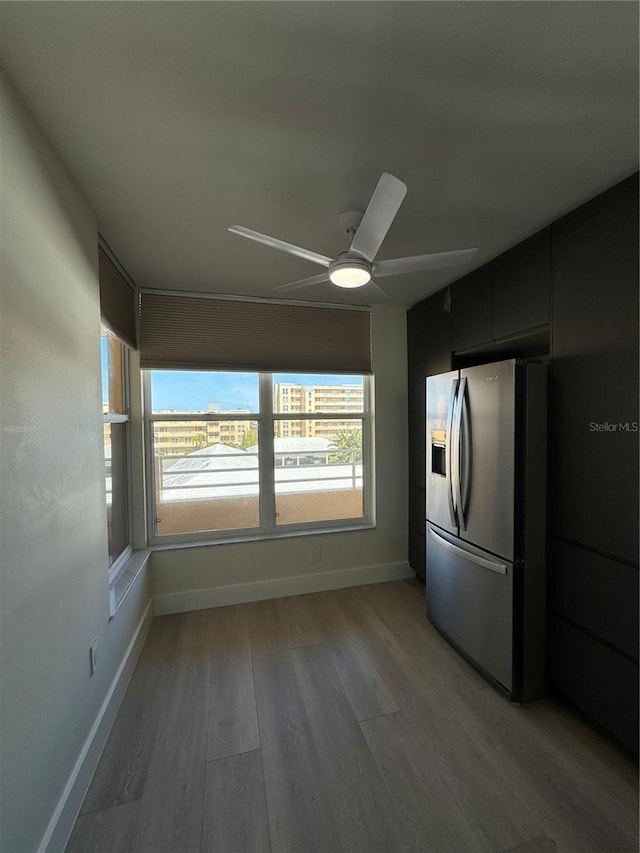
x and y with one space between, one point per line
209 457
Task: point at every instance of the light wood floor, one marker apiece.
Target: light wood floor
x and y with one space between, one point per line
341 721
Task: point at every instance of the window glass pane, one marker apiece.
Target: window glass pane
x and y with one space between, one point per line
111 356
317 393
318 475
206 475
192 391
115 456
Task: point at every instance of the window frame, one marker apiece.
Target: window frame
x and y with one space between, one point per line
266 419
108 417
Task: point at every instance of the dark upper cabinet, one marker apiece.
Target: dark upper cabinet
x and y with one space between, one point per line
522 286
594 374
428 352
472 309
508 296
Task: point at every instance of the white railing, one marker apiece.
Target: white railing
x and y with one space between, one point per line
191 476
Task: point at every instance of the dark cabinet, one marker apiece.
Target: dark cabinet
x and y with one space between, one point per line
472 309
597 679
594 459
522 286
577 278
596 594
506 297
428 352
594 374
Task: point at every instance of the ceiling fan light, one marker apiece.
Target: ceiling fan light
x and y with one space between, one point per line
347 275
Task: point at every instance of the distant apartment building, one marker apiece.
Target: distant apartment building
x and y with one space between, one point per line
181 437
308 399
178 438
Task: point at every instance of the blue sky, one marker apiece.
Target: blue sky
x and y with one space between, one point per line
192 390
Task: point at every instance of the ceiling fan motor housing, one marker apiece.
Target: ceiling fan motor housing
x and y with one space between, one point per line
350 270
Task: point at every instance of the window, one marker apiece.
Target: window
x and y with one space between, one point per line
115 413
250 462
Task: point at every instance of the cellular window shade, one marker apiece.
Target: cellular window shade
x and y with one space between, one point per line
192 333
117 300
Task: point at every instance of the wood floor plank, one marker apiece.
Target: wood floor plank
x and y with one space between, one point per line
235 810
586 749
298 620
171 809
573 806
233 718
395 603
361 681
195 628
536 778
432 817
365 816
162 639
498 816
417 585
298 804
121 774
558 727
105 831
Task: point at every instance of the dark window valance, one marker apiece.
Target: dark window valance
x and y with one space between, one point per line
117 300
192 332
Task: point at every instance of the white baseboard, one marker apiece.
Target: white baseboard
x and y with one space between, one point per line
219 596
61 823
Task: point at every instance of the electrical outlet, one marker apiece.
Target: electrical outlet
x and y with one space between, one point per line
93 656
316 553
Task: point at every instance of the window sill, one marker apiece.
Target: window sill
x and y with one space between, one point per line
125 579
259 537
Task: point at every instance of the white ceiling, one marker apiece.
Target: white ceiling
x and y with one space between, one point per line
179 119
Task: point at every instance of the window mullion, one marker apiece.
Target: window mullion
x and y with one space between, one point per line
266 465
368 456
150 467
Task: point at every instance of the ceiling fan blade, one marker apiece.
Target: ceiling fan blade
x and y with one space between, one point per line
385 203
372 286
303 282
280 244
434 261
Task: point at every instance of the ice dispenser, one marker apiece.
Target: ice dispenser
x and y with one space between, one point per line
439 452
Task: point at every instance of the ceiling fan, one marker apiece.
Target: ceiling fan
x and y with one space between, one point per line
357 267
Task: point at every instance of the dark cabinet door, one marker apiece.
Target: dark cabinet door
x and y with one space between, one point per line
599 680
428 352
472 309
596 594
522 286
594 374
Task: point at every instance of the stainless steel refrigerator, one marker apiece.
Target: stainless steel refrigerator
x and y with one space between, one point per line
486 484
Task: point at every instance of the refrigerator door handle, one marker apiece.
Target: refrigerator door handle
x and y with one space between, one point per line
464 440
498 568
449 453
456 476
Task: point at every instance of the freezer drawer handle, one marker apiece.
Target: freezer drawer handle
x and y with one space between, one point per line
499 568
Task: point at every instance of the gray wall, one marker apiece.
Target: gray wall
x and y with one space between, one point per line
53 570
